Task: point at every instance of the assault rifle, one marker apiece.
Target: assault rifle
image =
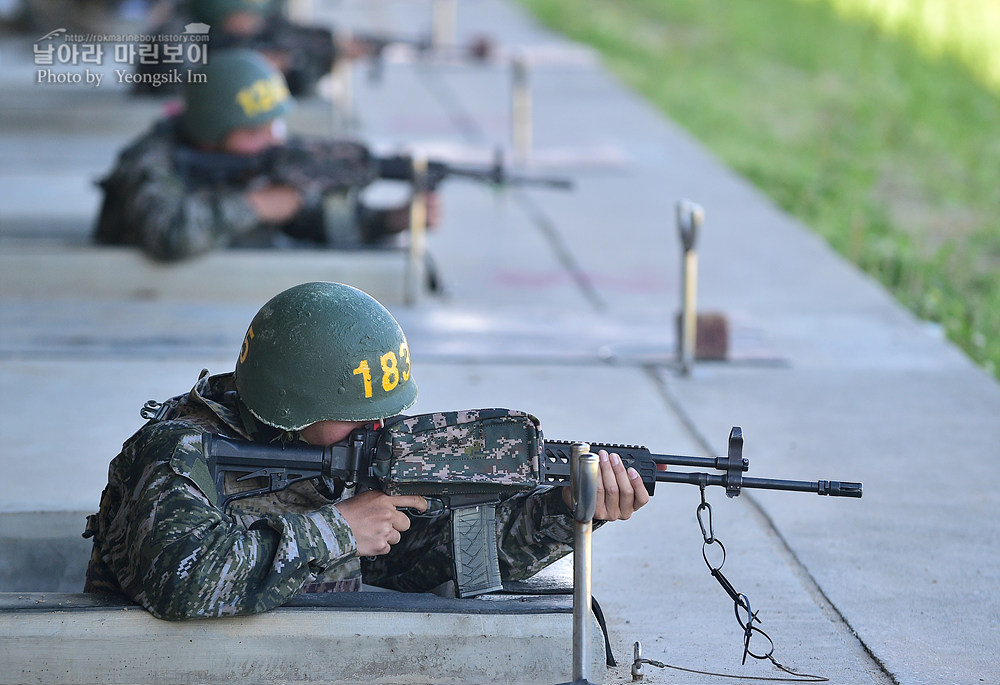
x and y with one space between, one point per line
330 166
471 499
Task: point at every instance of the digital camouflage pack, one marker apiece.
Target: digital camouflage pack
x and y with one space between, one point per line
454 453
470 458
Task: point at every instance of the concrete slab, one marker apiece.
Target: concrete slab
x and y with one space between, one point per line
32 272
43 551
318 639
919 542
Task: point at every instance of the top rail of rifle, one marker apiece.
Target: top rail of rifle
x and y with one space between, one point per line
668 459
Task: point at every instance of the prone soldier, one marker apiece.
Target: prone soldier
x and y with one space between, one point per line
156 199
318 361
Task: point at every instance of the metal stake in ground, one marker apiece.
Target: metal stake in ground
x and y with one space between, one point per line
690 217
300 11
520 109
443 23
583 475
416 273
342 94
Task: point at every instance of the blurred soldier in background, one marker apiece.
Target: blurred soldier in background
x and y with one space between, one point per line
224 173
303 54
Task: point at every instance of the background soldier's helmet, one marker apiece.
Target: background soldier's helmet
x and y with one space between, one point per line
214 11
324 351
240 88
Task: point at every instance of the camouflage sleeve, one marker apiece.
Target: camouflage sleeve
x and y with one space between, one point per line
181 557
169 220
533 530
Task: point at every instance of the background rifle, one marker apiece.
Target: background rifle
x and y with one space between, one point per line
329 166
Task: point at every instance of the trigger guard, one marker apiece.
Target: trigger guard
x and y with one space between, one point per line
327 487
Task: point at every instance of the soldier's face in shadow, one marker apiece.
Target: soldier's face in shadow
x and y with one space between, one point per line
243 23
251 140
328 432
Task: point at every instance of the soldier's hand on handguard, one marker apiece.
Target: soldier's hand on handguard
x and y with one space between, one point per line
398 219
620 492
275 203
350 48
376 521
433 210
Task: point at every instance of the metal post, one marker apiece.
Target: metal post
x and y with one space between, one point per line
690 217
416 266
583 476
637 673
342 96
443 23
520 109
299 11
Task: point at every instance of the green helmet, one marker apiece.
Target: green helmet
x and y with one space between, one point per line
324 351
214 11
240 88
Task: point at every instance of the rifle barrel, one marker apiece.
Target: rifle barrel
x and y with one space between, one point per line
400 168
832 488
500 176
545 181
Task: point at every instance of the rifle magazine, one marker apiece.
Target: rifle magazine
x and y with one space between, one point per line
477 568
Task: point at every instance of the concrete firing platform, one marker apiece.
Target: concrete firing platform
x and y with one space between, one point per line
33 272
313 639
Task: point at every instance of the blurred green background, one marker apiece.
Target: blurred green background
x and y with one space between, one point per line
875 122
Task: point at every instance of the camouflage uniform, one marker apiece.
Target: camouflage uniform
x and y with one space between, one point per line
161 540
149 203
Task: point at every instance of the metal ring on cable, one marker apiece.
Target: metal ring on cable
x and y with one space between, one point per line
704 554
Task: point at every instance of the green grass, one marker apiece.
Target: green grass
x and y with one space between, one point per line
964 29
886 145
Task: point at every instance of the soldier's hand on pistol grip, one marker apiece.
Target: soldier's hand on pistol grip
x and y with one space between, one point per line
397 219
433 209
275 203
375 520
